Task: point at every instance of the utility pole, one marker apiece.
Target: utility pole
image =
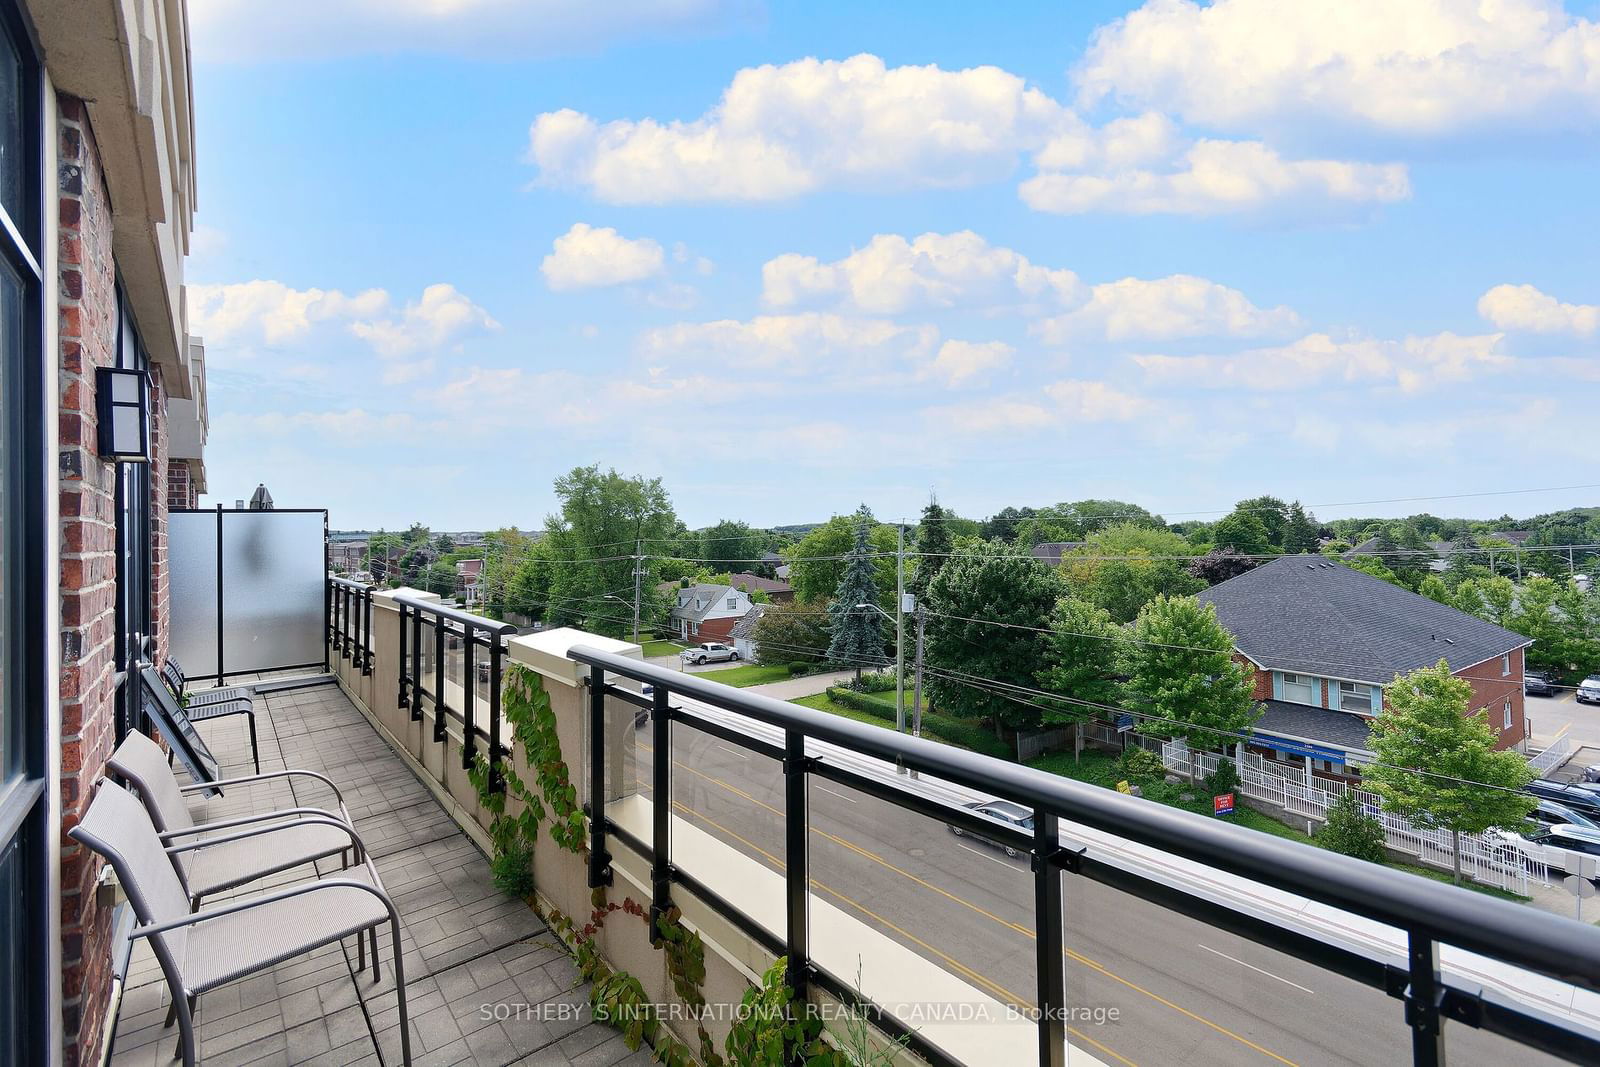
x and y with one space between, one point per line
922 621
900 631
638 574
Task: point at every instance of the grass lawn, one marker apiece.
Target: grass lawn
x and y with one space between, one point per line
1100 768
750 674
661 648
966 729
820 702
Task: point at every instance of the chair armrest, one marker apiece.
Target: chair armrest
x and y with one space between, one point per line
268 776
244 820
271 828
267 898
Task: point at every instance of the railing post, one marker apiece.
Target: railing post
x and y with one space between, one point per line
439 709
469 694
344 622
1048 942
366 614
1422 1002
497 782
401 662
416 664
797 867
660 811
599 860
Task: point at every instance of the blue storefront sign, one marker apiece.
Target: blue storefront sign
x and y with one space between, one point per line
1124 723
1300 748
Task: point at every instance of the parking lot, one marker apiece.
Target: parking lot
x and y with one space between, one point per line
1548 716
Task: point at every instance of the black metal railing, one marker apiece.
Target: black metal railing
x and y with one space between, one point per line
1427 912
350 621
446 630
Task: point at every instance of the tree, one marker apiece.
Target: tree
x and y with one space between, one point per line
1242 531
1002 525
1180 662
503 552
1489 598
1374 566
1075 521
816 561
1300 531
934 545
1122 567
852 616
1080 661
988 581
1272 513
1433 588
792 633
1437 764
731 546
1220 564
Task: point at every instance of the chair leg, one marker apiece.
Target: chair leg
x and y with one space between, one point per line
255 753
377 975
399 990
185 1049
361 953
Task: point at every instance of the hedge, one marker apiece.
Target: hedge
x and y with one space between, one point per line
962 732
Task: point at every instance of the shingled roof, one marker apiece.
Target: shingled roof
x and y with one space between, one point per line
1308 614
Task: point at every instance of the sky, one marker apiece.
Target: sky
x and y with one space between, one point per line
795 257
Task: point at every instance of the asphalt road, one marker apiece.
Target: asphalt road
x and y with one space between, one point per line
1183 992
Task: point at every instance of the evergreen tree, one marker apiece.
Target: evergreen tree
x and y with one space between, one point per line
1437 765
1300 532
1080 660
1180 662
933 549
853 617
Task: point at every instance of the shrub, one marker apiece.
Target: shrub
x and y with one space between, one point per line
874 682
1352 831
1225 779
1138 763
799 667
945 728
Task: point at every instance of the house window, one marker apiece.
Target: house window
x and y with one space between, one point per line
1506 711
1505 664
733 602
1298 689
1355 696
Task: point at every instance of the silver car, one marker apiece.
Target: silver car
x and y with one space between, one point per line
711 652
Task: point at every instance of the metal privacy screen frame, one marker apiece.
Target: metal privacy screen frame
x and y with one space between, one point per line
177 729
245 585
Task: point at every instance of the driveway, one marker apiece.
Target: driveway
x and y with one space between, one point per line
804 686
673 663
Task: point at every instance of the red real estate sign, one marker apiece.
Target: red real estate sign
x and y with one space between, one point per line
1222 805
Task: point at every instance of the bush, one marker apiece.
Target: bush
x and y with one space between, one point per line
1225 779
874 682
799 667
1352 831
954 731
1138 763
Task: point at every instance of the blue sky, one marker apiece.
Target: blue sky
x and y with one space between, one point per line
793 257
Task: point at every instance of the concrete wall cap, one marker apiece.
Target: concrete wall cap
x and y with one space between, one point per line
385 597
546 652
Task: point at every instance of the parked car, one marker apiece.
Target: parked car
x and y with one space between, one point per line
1550 813
1004 813
1591 773
1589 691
1582 800
710 652
1571 838
1538 684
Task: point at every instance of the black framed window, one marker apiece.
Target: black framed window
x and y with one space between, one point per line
24 670
134 582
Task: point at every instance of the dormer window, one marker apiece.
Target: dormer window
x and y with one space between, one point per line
1355 696
733 602
1299 689
1505 664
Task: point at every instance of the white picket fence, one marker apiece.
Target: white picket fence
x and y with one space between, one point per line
1554 755
1486 859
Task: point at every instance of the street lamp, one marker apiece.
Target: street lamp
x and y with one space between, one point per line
899 670
626 604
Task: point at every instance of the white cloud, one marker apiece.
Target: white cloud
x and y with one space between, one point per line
586 256
232 30
354 424
811 341
780 131
1090 401
934 270
441 317
963 362
272 313
1221 177
1163 309
1319 359
989 416
1417 67
1523 307
1067 403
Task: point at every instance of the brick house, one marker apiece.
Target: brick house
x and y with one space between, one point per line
707 612
97 194
1323 640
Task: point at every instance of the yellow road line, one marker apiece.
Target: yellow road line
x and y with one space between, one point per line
1025 931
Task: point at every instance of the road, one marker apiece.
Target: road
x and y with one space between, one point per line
1182 991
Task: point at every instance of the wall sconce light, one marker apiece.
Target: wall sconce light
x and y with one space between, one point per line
122 401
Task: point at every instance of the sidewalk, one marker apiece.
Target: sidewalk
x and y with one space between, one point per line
803 686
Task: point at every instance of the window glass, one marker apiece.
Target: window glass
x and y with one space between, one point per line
13 147
1354 696
1297 688
11 342
1507 710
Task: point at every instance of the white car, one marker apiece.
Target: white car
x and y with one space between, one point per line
1589 691
711 652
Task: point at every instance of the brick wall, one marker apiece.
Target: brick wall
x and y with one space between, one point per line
180 486
1490 691
160 585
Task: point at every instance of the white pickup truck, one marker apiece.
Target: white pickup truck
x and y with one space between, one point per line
711 652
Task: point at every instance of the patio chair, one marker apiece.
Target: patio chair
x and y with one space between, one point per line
209 865
158 687
179 682
200 951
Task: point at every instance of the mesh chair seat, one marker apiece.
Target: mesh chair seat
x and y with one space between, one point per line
230 947
204 697
202 712
217 867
